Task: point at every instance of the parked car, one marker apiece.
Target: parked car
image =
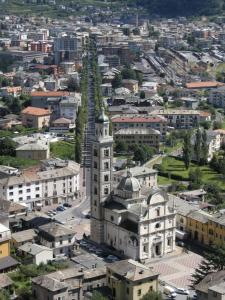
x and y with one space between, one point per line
169 291
83 243
60 208
180 243
182 291
112 258
67 204
99 251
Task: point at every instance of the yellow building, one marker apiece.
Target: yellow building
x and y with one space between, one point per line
198 225
130 280
5 237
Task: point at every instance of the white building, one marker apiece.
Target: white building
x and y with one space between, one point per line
57 237
136 222
40 254
55 181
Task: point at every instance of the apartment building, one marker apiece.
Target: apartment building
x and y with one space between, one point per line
217 97
182 119
139 136
57 237
130 280
35 117
139 121
53 181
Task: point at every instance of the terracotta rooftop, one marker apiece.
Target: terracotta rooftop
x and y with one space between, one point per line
36 111
138 119
49 94
203 84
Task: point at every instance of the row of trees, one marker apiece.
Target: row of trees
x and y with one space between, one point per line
200 150
82 113
96 81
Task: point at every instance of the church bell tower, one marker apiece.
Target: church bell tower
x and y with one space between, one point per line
101 175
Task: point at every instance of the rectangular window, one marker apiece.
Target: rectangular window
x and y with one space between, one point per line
28 190
11 193
106 152
20 192
37 195
106 178
20 185
106 191
139 292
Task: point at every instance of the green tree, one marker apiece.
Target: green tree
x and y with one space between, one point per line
4 295
121 146
117 81
195 177
97 296
142 95
213 262
187 150
204 149
153 295
197 146
7 147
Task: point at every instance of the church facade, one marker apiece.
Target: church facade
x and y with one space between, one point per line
133 219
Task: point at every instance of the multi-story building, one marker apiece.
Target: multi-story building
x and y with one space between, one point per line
5 237
139 136
182 119
217 97
139 121
130 280
67 48
53 182
57 237
35 117
138 223
68 284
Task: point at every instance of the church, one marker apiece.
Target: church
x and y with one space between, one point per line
135 220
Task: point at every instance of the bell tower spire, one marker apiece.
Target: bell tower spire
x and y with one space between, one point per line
101 174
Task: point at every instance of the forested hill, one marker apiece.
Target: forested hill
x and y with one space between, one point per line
183 7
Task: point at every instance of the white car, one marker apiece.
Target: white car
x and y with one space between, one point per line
182 291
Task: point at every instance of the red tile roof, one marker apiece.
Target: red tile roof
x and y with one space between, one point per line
138 119
203 84
49 94
36 111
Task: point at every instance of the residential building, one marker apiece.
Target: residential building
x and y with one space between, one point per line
139 121
182 119
131 85
35 117
139 136
211 287
6 283
57 237
72 283
35 151
67 48
136 222
53 181
22 237
61 125
39 98
217 97
5 238
130 280
39 254
146 176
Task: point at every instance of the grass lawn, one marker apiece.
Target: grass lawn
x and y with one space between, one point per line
164 180
169 149
176 167
63 150
17 162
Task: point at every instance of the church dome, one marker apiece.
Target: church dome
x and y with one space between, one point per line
102 117
129 184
